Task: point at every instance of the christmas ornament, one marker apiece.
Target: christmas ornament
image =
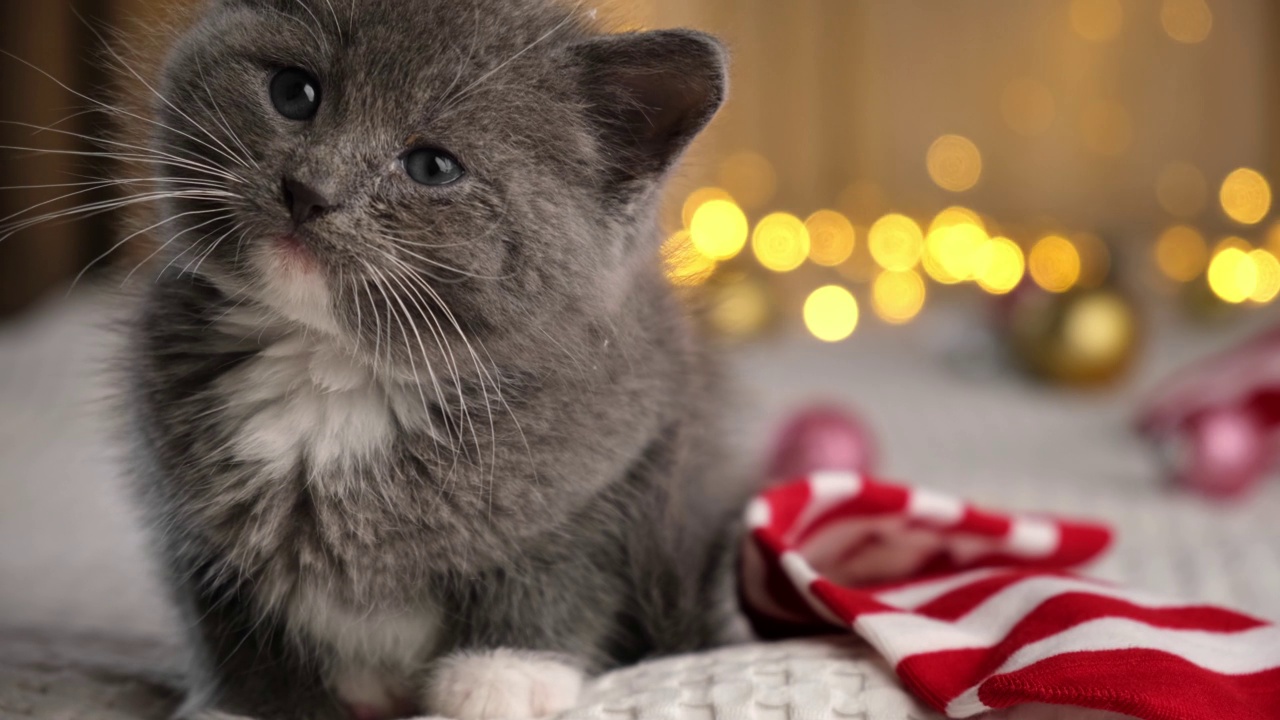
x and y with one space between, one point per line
1083 337
1220 452
822 438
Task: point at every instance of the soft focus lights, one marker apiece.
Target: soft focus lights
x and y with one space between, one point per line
1106 128
1187 21
1246 196
955 236
781 242
1233 275
1182 189
999 265
1055 264
954 163
698 198
1097 20
1027 106
831 238
831 313
1267 269
1181 253
749 177
896 242
719 229
898 296
685 266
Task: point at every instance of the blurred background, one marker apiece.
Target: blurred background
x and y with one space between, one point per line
987 228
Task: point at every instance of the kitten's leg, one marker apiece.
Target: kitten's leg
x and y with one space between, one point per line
503 683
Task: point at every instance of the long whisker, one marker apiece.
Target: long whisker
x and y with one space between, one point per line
145 230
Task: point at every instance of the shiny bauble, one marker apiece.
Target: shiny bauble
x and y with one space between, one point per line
1220 452
1078 338
822 438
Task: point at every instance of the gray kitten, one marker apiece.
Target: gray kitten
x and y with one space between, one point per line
420 427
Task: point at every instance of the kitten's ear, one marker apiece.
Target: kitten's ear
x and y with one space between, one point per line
651 93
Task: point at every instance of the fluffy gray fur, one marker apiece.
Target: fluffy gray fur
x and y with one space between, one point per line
460 420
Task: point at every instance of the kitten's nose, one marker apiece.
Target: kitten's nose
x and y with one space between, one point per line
304 202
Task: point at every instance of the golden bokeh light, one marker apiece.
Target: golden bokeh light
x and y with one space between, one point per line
1182 189
954 163
896 242
831 313
684 265
1267 270
1181 253
1097 20
749 177
697 199
781 242
1028 106
952 246
831 238
1054 263
719 229
898 296
1187 21
999 265
1106 128
956 215
1246 196
1233 275
1233 241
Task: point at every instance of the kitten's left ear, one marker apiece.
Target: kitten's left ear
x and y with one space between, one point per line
651 93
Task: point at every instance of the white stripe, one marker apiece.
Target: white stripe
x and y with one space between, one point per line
936 508
1241 653
826 490
802 576
922 593
759 514
1032 538
988 623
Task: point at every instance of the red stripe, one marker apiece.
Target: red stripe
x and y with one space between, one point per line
1147 684
786 503
874 501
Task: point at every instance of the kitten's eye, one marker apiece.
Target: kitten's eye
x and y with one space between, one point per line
433 167
295 93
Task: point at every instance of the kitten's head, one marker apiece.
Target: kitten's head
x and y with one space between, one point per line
391 170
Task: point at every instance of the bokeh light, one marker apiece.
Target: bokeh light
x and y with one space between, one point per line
1246 196
831 238
955 236
1233 275
1267 269
831 313
1106 128
1181 253
1097 20
1182 189
1054 263
719 229
954 163
1232 241
684 265
749 177
697 199
898 296
896 242
999 265
1028 106
1187 21
781 242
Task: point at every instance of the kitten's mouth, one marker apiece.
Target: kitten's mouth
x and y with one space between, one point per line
294 253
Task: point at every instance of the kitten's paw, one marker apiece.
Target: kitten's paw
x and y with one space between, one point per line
503 685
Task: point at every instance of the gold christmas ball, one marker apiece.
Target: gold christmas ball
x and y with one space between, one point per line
738 305
1080 338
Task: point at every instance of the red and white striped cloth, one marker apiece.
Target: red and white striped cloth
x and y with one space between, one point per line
977 611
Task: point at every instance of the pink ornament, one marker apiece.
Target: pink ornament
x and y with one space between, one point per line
1220 452
822 438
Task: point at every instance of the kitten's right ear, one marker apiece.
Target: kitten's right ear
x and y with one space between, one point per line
650 93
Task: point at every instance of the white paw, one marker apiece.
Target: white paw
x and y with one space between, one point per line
503 685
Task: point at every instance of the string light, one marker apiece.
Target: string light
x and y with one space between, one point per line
1246 196
954 238
781 242
1055 264
999 265
831 313
684 265
1267 270
698 198
831 238
954 163
1187 21
1233 275
719 229
1097 20
896 242
898 296
1181 253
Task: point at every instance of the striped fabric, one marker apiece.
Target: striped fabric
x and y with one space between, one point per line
977 611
